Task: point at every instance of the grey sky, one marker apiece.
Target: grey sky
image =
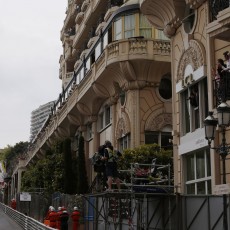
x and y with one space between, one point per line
30 48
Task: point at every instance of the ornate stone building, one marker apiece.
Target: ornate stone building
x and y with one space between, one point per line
199 33
116 77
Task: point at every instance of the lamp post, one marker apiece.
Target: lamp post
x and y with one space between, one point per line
210 123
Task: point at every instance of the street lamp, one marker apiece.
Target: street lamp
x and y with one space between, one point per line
210 123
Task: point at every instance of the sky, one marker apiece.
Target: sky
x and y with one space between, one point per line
30 49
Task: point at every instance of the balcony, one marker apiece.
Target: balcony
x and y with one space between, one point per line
70 17
219 26
221 89
217 6
84 6
79 18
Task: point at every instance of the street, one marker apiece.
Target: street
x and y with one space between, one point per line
6 223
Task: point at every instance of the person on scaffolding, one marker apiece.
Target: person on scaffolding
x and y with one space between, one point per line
110 157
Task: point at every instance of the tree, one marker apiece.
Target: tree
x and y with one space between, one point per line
82 175
47 173
68 175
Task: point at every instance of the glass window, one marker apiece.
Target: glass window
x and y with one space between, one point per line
118 29
124 142
160 35
193 106
198 177
87 65
129 26
78 79
191 189
105 40
201 187
89 131
190 167
185 112
160 138
200 163
145 27
104 117
98 51
107 116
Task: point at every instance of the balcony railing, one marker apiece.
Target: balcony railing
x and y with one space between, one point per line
112 3
216 6
221 89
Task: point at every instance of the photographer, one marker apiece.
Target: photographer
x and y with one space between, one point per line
111 157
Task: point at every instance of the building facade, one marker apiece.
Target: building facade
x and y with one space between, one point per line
116 77
116 82
38 117
200 34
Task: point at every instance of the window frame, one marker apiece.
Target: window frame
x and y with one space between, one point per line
207 179
155 33
189 112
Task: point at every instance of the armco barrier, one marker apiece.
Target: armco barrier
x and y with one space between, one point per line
24 221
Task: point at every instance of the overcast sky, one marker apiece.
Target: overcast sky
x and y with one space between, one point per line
30 49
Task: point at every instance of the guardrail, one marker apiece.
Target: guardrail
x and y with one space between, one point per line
22 220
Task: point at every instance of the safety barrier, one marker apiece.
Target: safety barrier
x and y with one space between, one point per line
22 220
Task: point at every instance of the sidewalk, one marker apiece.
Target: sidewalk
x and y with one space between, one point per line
7 222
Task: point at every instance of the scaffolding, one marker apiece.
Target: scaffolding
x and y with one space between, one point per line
146 201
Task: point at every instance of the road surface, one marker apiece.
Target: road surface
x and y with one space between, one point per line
6 223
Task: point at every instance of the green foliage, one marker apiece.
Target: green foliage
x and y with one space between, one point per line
10 155
56 171
4 152
48 173
144 154
82 175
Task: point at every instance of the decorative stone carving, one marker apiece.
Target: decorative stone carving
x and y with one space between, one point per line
131 85
156 121
123 126
194 56
169 30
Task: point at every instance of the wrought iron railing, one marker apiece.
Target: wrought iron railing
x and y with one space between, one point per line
216 6
112 3
221 89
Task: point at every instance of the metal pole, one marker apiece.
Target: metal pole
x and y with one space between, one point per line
223 155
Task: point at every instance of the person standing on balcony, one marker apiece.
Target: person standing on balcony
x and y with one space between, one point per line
111 157
217 72
227 60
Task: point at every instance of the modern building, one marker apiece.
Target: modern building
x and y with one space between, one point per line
38 117
199 32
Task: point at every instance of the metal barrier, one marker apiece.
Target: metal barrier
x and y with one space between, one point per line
22 220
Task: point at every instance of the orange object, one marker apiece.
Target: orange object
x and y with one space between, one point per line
13 204
47 222
53 219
